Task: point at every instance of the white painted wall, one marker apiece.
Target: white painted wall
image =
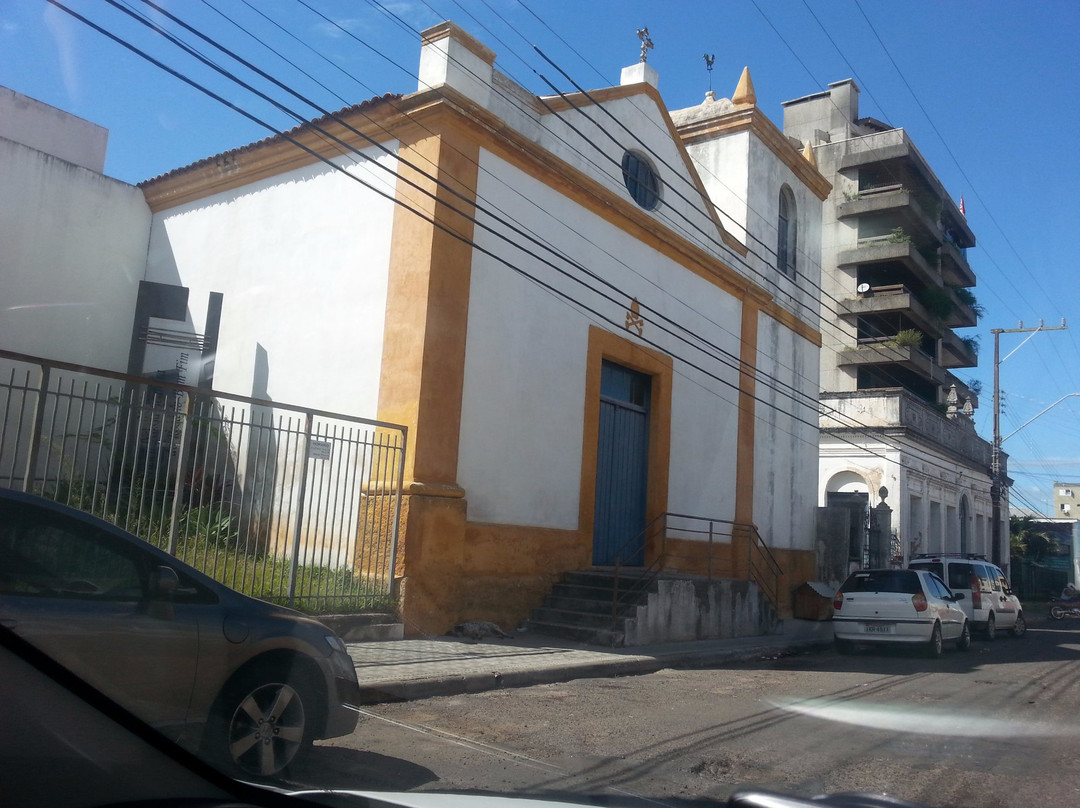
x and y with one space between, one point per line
924 487
53 131
523 402
785 437
724 166
302 261
73 252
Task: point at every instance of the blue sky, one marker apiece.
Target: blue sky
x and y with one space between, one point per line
989 90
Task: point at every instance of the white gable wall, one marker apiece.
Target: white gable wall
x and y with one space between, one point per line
681 208
523 401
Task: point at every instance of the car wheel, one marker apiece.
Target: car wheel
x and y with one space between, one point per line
963 642
933 649
845 647
991 628
1019 628
263 721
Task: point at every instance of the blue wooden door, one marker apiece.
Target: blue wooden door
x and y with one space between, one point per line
622 466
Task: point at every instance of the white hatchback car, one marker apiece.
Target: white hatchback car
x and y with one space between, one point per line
898 606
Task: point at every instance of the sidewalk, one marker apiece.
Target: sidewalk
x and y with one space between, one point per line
402 670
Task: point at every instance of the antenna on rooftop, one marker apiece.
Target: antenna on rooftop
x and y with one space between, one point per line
709 59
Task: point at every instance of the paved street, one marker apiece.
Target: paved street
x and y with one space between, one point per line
994 727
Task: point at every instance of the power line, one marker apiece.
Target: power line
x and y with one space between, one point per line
336 167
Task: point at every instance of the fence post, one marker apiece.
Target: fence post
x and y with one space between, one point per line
35 431
298 525
395 530
181 472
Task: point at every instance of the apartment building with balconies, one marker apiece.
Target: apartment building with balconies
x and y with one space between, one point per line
897 303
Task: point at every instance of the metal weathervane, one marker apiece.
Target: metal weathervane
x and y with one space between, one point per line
709 59
646 43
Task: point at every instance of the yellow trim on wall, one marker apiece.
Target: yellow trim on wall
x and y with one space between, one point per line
427 307
606 345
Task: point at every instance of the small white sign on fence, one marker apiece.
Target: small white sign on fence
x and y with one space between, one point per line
319 450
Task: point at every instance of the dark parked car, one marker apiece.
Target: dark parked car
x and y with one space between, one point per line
247 683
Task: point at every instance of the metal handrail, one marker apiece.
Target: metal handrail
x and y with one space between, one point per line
762 567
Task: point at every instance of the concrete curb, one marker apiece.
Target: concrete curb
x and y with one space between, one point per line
478 682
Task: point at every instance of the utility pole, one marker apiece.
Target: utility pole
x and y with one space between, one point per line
997 479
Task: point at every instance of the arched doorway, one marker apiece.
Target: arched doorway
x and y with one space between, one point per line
849 491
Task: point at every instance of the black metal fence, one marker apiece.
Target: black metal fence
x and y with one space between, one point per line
285 503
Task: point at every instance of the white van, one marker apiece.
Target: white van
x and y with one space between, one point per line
988 599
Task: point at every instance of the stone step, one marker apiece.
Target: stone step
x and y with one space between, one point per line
565 617
595 594
590 636
590 605
602 578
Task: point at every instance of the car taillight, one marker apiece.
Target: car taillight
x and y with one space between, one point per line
838 601
976 592
919 602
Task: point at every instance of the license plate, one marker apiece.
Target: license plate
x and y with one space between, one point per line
878 628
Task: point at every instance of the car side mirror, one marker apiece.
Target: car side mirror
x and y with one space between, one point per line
163 583
958 596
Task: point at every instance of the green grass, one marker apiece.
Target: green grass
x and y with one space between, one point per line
208 539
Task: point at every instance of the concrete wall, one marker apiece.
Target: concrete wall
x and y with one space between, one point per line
785 438
685 610
74 250
925 491
53 131
301 259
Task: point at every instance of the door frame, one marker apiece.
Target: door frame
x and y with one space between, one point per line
615 348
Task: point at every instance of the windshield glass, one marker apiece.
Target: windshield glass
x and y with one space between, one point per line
501 397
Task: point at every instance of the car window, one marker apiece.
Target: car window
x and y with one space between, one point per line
938 588
905 581
46 555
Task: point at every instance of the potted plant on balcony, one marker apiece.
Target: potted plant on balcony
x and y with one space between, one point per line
907 338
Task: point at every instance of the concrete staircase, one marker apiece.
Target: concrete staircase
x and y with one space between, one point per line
667 608
579 608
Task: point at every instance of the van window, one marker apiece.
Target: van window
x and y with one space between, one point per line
998 579
935 567
960 576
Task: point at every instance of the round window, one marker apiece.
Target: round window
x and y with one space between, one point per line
641 181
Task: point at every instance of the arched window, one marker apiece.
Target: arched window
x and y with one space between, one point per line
787 241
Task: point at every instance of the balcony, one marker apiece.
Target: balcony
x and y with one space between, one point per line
962 315
957 352
954 266
895 409
887 250
880 351
895 299
904 206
